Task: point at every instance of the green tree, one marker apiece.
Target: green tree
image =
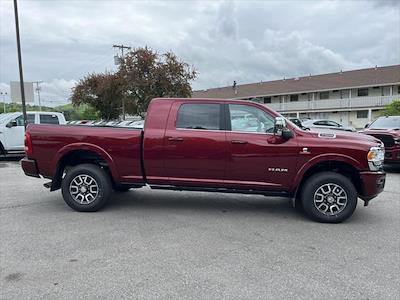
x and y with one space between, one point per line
102 92
392 109
148 75
142 75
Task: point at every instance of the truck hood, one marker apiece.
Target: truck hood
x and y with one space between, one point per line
336 135
395 132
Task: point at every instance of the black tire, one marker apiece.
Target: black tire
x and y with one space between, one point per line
313 195
97 176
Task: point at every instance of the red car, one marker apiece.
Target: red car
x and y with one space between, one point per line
209 145
387 129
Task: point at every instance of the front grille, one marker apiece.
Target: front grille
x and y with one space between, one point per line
387 140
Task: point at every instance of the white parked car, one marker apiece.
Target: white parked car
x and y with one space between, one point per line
326 124
12 129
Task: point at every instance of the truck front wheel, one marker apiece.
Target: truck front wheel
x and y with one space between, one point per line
86 187
329 197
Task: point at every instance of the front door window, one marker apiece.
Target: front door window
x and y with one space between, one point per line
245 118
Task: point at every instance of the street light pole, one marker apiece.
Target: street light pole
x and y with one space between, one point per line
21 75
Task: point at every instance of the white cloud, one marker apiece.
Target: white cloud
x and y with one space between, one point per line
246 41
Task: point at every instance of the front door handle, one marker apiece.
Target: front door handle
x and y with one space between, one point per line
175 139
238 142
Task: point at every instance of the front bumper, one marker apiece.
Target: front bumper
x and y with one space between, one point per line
372 183
392 154
30 168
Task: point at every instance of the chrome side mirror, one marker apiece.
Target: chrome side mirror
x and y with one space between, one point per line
280 128
279 125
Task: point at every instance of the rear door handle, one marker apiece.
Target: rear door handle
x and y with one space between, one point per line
238 142
175 139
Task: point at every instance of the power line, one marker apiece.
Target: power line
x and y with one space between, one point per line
121 60
38 92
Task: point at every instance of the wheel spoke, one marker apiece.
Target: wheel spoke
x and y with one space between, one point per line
330 199
84 189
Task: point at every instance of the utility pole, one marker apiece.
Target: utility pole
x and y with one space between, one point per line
38 92
4 100
121 48
21 75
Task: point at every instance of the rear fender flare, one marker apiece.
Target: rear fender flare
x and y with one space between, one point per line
88 147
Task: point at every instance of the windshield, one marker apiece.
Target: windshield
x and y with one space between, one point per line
386 123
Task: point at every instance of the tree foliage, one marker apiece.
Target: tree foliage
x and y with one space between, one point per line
142 75
392 109
103 92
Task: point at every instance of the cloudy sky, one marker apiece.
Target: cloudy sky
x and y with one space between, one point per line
246 41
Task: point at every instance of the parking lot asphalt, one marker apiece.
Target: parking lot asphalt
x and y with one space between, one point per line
162 244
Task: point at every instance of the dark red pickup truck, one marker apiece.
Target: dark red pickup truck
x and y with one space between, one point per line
209 145
387 129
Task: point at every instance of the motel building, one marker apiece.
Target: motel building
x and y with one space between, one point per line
351 98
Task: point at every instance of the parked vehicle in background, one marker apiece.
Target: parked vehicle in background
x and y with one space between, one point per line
137 124
298 123
326 124
209 145
12 129
387 129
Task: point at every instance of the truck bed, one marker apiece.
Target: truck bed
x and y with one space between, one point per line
120 148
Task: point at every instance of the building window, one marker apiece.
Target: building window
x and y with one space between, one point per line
362 114
294 98
362 92
324 95
267 99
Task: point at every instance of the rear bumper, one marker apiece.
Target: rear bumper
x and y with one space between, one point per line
372 183
30 168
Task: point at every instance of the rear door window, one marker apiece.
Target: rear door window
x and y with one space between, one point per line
199 116
49 119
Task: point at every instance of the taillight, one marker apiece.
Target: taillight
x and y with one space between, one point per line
28 144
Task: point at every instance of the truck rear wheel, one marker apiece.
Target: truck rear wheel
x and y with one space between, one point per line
86 187
329 197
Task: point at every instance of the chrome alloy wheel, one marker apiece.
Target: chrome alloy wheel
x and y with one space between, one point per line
83 189
330 199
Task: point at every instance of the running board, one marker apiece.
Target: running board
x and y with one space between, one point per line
220 190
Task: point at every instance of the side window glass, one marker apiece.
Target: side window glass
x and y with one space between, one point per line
31 118
333 124
323 123
20 120
250 119
199 116
48 119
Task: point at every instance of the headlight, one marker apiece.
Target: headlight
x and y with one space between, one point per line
397 141
376 156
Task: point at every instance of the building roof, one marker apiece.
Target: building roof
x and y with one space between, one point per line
341 80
